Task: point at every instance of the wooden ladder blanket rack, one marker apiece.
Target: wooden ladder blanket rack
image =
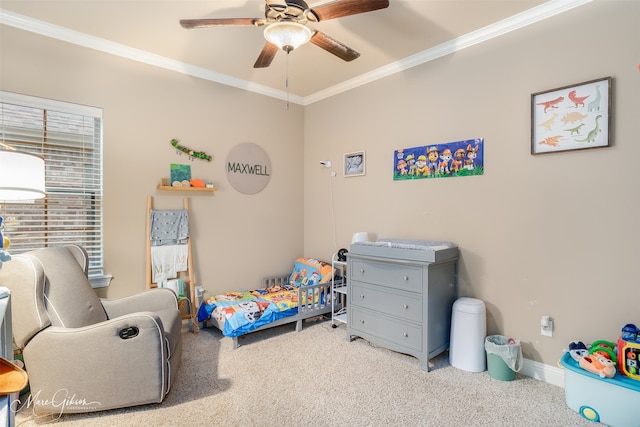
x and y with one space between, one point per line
188 276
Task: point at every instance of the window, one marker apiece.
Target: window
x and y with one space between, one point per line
69 138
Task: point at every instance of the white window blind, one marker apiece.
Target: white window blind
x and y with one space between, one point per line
69 138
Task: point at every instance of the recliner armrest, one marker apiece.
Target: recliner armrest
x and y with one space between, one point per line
97 364
151 300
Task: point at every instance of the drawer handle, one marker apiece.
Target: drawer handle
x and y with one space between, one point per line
405 278
362 271
362 321
404 334
362 296
405 306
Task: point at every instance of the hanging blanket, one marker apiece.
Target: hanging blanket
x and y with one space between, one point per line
169 227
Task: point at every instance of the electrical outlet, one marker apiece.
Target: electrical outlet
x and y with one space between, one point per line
199 291
546 326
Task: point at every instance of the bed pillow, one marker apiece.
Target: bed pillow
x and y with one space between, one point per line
309 271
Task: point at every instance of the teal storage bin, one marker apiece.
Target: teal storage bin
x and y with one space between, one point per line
611 401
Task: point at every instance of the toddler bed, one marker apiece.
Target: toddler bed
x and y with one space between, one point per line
287 298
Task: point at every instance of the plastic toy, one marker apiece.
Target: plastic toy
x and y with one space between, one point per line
630 332
577 350
598 358
604 349
629 351
599 365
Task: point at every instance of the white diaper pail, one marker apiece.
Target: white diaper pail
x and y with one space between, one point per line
468 331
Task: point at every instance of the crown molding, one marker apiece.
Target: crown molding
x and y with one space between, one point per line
81 39
528 17
536 14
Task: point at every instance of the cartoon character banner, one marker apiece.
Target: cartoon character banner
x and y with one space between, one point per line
461 158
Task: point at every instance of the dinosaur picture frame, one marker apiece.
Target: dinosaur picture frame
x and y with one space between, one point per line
570 118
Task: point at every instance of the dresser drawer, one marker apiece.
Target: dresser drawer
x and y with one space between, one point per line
386 274
406 305
401 333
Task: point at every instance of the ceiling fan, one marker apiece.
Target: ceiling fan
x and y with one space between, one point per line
285 25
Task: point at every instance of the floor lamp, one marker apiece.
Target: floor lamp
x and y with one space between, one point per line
21 178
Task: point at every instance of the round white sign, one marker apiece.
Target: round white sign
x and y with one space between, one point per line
248 168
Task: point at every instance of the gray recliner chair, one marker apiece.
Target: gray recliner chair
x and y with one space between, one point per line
83 353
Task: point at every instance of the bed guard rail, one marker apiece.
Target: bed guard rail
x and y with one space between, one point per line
310 298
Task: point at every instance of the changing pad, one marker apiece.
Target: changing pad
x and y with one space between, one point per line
415 250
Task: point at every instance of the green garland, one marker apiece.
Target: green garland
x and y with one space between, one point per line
195 154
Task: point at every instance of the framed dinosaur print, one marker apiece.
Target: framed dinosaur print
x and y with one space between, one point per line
572 117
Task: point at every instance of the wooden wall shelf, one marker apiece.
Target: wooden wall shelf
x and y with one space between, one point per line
201 189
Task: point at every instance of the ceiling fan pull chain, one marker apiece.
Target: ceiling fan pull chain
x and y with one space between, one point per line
286 79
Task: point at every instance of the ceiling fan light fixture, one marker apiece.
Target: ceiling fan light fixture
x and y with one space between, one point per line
287 35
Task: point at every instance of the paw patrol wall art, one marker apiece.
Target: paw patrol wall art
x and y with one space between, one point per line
461 158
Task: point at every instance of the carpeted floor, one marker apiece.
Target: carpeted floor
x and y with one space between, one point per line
317 378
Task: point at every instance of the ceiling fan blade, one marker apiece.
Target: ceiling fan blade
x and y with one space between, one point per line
266 56
340 8
214 22
333 46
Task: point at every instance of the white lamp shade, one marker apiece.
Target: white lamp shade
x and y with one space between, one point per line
287 35
21 176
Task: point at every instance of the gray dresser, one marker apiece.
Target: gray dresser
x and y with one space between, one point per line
400 295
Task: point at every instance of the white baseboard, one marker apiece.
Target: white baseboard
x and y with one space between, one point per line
539 371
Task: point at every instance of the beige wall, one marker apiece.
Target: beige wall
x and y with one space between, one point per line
237 238
538 235
550 234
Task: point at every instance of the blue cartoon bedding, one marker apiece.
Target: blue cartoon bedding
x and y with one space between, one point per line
245 311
